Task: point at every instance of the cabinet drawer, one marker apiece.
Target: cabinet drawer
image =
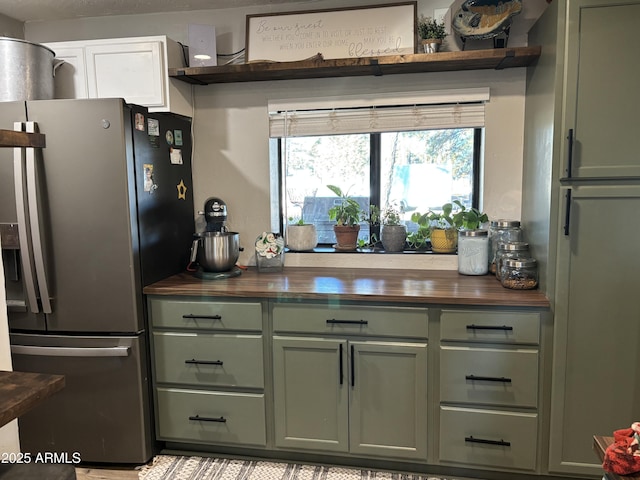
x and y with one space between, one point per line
229 418
205 315
209 359
351 320
488 438
489 376
494 327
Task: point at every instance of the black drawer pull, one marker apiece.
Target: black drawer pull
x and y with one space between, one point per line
488 379
198 418
204 362
487 442
204 317
489 327
347 322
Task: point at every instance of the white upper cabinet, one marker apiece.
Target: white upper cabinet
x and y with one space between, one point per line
71 76
131 68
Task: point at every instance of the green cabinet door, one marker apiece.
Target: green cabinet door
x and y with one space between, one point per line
388 399
597 324
364 397
602 94
311 393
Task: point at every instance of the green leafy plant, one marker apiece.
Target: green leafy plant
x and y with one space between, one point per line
468 219
462 218
391 215
420 238
431 28
348 211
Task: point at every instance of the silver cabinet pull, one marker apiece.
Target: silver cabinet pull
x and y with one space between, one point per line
70 351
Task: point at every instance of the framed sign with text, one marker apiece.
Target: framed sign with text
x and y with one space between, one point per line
387 29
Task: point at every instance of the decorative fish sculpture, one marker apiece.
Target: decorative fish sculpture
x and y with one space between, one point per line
484 19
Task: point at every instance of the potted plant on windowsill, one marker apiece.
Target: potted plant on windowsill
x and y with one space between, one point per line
443 230
444 225
393 233
347 213
301 236
431 33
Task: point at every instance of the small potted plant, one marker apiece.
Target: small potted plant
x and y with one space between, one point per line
419 239
393 233
443 226
444 230
431 33
347 213
301 236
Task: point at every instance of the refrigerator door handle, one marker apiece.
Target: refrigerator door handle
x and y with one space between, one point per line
70 351
24 234
34 217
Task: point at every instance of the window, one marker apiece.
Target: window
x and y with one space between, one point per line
414 157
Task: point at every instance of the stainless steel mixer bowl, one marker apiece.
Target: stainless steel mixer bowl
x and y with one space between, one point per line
216 251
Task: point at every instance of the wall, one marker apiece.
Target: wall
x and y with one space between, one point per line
10 27
231 156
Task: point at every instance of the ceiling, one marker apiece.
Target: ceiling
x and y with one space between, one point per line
35 10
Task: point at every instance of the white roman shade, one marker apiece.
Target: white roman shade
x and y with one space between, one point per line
435 109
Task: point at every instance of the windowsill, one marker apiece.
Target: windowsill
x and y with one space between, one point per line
328 257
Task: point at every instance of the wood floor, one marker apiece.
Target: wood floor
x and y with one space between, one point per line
106 474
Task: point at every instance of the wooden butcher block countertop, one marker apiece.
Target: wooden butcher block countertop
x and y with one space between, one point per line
397 286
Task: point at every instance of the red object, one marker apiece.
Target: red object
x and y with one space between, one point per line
622 456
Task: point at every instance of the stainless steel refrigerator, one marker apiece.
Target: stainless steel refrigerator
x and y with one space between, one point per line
105 208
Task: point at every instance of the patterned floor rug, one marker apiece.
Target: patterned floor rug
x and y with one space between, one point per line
167 467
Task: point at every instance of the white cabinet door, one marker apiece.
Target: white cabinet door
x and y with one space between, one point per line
70 76
133 71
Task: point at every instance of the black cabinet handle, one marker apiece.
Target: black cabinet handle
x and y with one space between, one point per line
487 442
341 366
489 327
204 362
488 379
567 213
569 152
347 322
191 316
198 418
353 367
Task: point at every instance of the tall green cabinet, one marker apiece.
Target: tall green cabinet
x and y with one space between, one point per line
581 211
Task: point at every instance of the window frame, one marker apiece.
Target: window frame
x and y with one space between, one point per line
374 176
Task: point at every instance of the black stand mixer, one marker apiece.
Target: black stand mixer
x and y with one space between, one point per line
215 250
215 213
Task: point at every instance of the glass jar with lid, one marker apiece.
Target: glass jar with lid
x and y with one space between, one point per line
519 273
511 250
502 231
473 252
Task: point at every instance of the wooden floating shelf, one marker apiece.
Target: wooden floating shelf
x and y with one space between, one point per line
493 59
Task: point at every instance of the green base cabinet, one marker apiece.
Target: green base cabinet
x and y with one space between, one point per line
208 371
490 375
350 394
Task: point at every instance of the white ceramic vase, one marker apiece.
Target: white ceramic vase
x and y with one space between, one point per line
301 238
